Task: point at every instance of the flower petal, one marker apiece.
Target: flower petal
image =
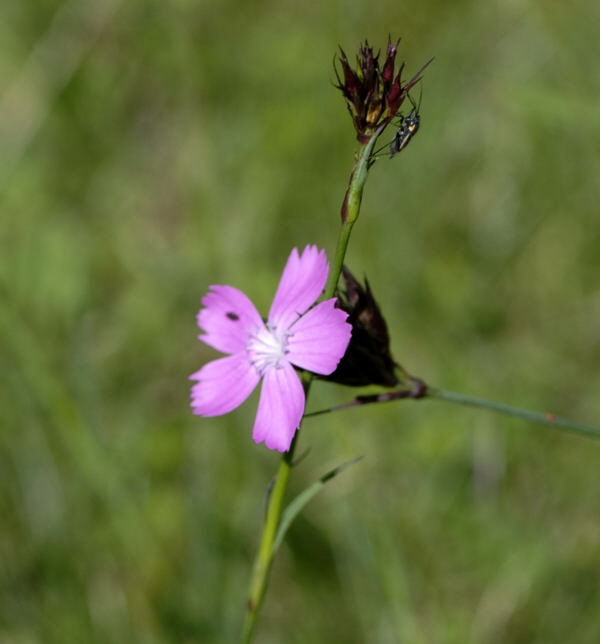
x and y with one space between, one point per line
280 408
319 338
228 317
301 283
223 385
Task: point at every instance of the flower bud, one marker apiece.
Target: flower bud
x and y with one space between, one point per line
373 94
367 360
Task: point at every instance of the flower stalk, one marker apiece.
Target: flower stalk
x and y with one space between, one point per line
418 390
351 209
264 557
373 95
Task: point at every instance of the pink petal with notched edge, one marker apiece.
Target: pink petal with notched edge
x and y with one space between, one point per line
228 317
223 385
319 339
301 283
280 408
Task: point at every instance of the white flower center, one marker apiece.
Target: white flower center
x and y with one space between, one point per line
267 348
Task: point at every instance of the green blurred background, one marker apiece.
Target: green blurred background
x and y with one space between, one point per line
149 149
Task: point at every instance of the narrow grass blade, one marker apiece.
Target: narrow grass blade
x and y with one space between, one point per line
295 506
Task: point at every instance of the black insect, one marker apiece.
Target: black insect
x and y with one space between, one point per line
408 126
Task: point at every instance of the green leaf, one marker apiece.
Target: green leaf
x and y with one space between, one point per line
294 508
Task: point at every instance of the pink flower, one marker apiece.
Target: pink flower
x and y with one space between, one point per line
314 339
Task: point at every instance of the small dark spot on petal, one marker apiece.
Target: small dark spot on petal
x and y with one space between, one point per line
232 316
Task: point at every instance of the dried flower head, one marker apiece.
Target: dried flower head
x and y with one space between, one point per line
373 93
367 360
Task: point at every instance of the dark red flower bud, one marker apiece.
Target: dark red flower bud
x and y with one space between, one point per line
367 360
388 68
351 83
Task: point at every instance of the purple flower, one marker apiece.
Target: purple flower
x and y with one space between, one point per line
314 339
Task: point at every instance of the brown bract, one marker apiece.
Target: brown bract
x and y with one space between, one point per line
367 360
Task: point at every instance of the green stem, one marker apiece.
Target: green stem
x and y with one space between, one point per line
264 556
508 410
420 391
338 260
350 210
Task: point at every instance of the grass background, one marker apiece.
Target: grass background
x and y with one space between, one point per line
149 149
